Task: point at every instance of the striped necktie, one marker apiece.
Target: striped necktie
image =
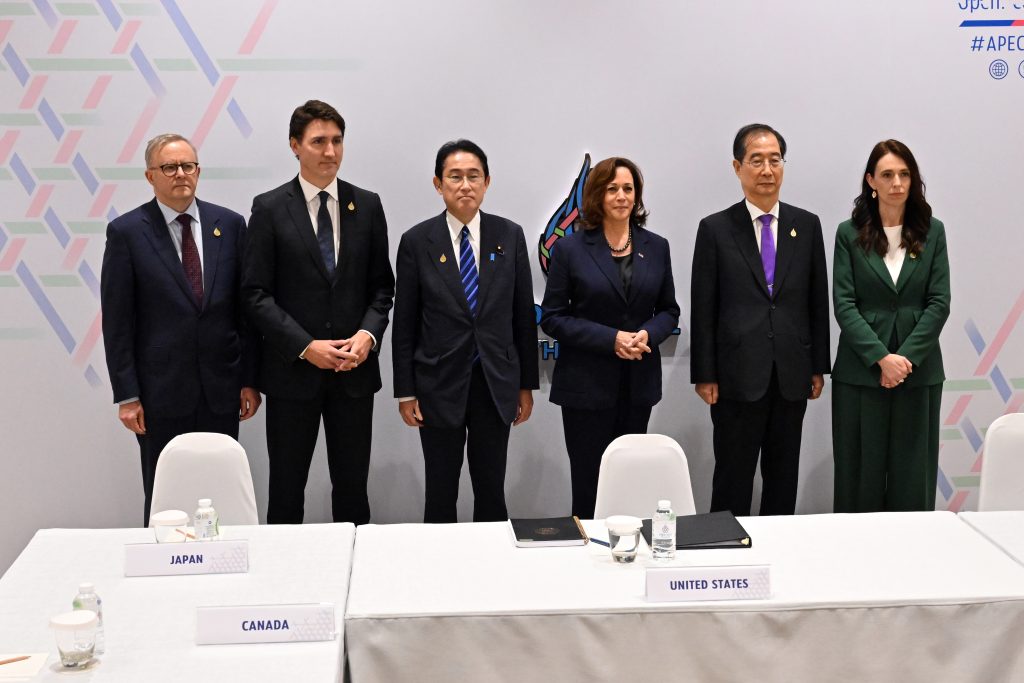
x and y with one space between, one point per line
190 258
468 272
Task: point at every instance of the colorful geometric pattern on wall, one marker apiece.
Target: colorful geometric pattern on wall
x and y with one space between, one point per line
43 244
964 428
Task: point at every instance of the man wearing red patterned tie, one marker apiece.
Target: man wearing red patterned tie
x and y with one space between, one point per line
178 352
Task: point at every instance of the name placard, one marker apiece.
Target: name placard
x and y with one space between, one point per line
166 559
265 623
676 584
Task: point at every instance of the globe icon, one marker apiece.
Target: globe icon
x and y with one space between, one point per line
998 69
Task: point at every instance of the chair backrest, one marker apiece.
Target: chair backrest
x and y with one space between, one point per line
205 465
1002 466
637 470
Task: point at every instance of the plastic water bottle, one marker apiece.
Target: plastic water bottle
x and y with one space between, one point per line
663 531
205 522
88 599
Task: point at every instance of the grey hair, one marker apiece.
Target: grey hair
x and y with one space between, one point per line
161 141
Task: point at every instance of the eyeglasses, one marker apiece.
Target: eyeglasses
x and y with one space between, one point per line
457 180
171 170
773 162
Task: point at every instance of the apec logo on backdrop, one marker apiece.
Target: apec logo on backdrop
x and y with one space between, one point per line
996 35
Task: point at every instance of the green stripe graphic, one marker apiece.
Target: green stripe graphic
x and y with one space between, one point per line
76 64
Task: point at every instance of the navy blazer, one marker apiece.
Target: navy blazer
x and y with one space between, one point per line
161 346
584 307
737 330
291 300
435 334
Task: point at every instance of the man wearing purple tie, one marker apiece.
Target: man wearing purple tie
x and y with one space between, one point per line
759 328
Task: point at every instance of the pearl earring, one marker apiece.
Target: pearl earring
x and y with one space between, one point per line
874 194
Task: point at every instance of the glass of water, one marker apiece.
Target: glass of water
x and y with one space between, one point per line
623 537
76 637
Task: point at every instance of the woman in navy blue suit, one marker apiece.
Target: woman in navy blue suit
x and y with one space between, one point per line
609 302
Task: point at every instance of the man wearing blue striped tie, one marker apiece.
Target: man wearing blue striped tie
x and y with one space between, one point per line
465 337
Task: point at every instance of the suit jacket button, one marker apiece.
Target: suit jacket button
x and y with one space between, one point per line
892 306
771 335
773 307
328 324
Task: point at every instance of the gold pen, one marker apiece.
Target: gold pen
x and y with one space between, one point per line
12 660
579 525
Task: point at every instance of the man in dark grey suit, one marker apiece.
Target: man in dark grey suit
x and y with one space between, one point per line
318 286
759 328
178 351
465 337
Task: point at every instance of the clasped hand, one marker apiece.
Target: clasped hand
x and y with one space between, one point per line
895 369
631 345
340 355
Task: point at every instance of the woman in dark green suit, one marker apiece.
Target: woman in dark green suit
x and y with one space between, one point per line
891 297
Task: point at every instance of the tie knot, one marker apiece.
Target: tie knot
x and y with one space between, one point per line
766 220
322 194
185 220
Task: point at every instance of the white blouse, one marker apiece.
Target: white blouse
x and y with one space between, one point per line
894 257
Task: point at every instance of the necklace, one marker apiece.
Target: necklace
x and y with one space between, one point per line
629 240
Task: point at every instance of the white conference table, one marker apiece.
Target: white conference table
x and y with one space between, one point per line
873 597
1004 529
150 622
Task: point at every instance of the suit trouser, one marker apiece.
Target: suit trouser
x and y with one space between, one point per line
770 427
587 435
292 430
161 429
484 437
886 446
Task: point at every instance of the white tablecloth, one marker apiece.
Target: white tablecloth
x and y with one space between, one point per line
150 621
1004 529
882 597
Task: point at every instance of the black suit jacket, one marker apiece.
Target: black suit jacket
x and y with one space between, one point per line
292 301
737 330
161 345
435 333
585 306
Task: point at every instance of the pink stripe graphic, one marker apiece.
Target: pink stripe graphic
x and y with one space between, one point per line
67 27
5 28
258 26
1015 404
35 209
88 343
958 501
976 467
35 89
67 147
13 252
92 100
7 144
131 145
99 207
958 409
216 105
989 359
127 36
74 253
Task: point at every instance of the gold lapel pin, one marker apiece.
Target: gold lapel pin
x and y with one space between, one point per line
913 255
216 232
444 259
351 206
792 233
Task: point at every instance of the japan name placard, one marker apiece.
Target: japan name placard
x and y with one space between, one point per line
167 559
683 584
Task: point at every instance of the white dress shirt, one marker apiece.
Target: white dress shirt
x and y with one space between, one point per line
894 257
311 192
174 227
455 228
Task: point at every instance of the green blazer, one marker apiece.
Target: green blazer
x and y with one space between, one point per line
872 311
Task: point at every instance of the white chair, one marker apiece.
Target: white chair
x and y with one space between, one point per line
638 470
1002 466
205 465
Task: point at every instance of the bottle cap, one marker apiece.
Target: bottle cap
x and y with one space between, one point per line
205 502
86 587
74 621
664 503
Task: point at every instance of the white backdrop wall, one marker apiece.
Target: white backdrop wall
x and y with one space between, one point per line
538 85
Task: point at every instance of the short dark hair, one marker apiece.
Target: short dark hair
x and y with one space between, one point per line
739 144
309 112
917 215
461 145
593 193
